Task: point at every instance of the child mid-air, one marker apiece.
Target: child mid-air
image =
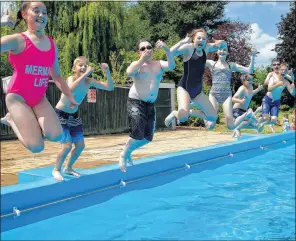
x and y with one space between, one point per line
79 84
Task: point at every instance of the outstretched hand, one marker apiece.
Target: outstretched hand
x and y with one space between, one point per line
104 67
162 45
6 20
254 51
260 87
187 40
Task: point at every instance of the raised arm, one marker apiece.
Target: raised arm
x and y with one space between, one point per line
266 81
135 66
212 47
290 76
6 20
290 87
182 47
72 84
239 93
260 87
9 42
170 63
104 85
246 70
60 81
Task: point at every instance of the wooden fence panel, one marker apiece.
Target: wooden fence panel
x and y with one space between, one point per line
108 115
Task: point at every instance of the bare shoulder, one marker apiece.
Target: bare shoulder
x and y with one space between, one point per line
133 63
157 62
190 49
18 37
241 90
89 80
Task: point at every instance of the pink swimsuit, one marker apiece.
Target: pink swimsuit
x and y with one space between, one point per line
31 72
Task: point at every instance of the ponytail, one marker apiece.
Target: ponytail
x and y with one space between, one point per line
19 18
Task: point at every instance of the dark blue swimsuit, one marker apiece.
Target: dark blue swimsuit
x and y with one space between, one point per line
193 73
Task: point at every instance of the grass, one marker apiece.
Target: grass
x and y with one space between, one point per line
221 127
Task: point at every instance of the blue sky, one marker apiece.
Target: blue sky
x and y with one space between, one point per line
263 17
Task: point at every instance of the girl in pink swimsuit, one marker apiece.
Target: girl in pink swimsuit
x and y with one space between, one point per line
34 58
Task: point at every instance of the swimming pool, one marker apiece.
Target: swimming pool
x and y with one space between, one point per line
248 195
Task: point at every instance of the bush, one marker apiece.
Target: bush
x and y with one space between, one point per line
253 105
285 108
195 121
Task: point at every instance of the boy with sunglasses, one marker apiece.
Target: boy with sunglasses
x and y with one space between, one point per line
242 99
276 81
146 74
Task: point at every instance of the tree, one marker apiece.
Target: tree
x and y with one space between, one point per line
287 34
170 21
91 29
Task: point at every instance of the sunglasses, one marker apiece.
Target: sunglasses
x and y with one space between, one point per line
276 64
147 47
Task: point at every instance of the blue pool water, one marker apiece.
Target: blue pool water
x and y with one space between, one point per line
251 198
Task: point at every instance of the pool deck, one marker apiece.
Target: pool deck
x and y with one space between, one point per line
31 197
103 150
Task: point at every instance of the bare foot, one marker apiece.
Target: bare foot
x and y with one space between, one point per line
260 127
168 121
6 119
71 171
210 125
236 134
122 162
130 160
57 175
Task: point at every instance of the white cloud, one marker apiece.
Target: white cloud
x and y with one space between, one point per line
264 44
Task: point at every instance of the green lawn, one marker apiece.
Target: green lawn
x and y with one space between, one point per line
221 127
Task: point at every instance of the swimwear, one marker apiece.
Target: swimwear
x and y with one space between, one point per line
31 71
193 72
270 107
141 118
72 126
221 79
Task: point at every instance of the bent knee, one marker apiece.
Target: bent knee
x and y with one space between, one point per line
67 147
183 115
80 146
35 147
211 125
273 120
230 127
213 117
54 137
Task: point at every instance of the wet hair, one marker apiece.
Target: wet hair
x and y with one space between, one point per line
193 32
19 17
245 77
78 59
141 41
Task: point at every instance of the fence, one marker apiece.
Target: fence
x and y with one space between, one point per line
107 115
